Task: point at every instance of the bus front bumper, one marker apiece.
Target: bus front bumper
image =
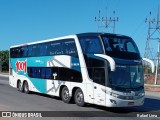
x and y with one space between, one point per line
116 102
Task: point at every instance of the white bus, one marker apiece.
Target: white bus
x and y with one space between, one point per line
97 68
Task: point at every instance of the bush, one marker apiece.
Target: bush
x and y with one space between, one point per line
5 66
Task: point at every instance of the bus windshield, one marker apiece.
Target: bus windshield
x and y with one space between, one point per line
127 76
120 47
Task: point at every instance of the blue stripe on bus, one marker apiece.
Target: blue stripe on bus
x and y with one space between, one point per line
75 64
40 84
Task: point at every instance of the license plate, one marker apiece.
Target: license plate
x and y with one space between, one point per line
130 103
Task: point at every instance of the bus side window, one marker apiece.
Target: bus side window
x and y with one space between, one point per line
42 49
99 76
43 73
69 48
29 51
33 50
29 71
48 73
54 48
13 53
16 52
23 51
130 47
91 45
36 72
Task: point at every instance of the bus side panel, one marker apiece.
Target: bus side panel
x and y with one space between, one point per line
65 69
19 71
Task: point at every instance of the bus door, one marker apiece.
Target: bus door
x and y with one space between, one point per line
99 86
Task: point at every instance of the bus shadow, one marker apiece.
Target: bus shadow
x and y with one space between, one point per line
50 96
149 106
45 95
1 84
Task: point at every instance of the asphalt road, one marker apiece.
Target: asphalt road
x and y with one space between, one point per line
13 100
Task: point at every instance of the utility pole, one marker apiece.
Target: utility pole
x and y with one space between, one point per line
107 22
148 52
158 29
153 28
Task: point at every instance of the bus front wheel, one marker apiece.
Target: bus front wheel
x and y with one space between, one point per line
79 97
65 95
20 86
26 87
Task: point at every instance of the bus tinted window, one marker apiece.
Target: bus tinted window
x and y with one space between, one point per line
91 45
54 48
99 76
62 47
23 51
46 73
36 72
130 47
64 74
119 44
13 53
43 73
34 50
120 47
42 49
18 52
69 48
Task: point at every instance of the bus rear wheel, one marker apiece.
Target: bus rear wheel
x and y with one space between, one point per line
20 86
79 98
26 87
65 95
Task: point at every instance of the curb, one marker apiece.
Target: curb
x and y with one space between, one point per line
152 88
3 75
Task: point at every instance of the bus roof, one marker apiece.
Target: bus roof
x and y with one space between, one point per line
71 36
43 41
101 33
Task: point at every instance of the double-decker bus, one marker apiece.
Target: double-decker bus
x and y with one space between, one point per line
97 68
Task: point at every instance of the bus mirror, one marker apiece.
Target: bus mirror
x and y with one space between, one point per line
151 63
109 59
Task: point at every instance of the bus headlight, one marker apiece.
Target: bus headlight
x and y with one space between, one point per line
115 95
142 94
121 96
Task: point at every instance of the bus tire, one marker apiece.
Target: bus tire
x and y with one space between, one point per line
65 95
79 98
20 86
26 87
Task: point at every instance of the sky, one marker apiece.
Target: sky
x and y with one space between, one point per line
23 21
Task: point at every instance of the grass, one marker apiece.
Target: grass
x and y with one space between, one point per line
4 72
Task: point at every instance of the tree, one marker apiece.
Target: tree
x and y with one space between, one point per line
4 60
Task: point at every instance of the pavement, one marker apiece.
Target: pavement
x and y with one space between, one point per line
152 94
